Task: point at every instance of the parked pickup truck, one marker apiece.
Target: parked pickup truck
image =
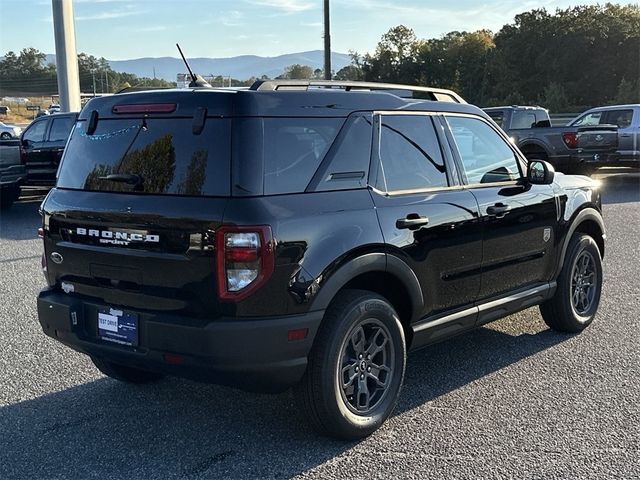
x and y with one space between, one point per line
12 172
626 120
571 149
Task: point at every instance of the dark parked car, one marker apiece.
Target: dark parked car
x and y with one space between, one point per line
12 173
42 144
304 234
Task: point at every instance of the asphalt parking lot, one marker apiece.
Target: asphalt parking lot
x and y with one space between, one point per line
511 400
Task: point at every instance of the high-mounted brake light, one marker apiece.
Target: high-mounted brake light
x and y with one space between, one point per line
570 139
144 108
244 260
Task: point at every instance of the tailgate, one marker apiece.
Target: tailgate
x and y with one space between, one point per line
144 252
599 137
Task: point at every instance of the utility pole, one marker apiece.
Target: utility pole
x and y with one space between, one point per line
93 77
106 78
327 42
66 58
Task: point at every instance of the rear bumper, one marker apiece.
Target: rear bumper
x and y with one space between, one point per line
252 354
605 159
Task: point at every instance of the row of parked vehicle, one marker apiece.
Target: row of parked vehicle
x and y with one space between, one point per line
603 136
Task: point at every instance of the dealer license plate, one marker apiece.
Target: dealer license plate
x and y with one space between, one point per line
117 326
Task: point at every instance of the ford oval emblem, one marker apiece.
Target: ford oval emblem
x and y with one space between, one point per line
56 258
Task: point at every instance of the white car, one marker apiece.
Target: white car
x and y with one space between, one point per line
8 132
54 108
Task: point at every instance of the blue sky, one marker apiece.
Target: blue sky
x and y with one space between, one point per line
122 29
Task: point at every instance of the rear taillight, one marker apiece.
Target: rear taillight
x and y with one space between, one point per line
244 260
570 139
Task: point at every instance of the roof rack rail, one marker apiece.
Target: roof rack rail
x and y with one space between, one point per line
437 94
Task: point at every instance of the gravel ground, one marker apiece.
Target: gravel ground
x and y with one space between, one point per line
511 400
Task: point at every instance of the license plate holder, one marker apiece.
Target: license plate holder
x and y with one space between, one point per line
118 326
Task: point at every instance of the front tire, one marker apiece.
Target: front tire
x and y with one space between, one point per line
8 196
356 367
577 297
5 136
124 373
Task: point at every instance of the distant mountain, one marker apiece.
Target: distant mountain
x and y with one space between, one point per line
241 68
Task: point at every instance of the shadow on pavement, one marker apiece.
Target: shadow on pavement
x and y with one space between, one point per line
21 222
620 187
188 430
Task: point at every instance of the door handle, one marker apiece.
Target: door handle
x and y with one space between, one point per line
625 135
413 221
498 210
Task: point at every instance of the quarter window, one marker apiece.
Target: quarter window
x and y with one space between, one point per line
486 157
410 154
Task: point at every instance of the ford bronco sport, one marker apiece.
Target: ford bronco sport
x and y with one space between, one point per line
304 234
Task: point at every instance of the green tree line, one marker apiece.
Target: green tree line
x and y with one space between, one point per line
26 73
567 60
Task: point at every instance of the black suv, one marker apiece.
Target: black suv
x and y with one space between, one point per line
304 234
42 144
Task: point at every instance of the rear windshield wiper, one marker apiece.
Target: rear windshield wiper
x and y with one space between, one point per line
130 178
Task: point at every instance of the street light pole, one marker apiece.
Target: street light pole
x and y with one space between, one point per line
327 42
66 58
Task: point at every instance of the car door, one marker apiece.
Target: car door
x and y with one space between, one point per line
628 131
32 143
518 219
428 220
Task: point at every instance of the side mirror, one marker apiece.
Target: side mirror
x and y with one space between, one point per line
540 172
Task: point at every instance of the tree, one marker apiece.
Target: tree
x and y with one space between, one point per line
628 92
554 98
297 72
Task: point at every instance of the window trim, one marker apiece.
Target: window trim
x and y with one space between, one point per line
376 159
520 160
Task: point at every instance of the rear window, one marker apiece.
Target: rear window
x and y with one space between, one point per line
164 153
293 150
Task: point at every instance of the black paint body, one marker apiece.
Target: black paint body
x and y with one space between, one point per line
441 274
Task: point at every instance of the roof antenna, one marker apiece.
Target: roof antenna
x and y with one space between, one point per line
196 80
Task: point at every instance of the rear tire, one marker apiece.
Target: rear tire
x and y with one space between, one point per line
356 367
125 374
575 302
8 196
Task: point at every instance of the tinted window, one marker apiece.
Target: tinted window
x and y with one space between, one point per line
497 117
348 160
485 156
523 119
293 150
35 133
410 154
588 120
621 118
163 152
60 129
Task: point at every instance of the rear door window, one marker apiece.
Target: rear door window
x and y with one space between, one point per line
523 119
588 120
164 153
35 133
293 150
410 154
60 128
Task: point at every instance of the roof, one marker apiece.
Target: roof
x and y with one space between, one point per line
287 98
